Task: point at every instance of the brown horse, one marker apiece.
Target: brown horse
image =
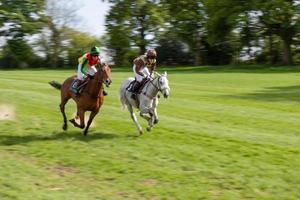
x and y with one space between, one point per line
90 99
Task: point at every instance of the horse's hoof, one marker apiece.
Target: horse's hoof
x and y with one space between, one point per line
141 132
74 122
85 133
65 127
82 127
148 129
156 121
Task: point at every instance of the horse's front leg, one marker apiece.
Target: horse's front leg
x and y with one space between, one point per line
144 113
134 118
156 120
81 117
80 114
92 115
151 120
154 105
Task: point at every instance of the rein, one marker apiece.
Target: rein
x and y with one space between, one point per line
151 81
156 87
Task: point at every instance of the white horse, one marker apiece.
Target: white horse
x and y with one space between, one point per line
147 100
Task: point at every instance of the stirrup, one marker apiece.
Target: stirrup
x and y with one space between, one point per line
76 92
73 89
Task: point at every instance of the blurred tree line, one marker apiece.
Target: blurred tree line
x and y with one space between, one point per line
206 32
184 32
37 33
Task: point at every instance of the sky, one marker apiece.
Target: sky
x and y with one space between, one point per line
92 14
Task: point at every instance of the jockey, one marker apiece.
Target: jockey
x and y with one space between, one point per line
143 66
86 68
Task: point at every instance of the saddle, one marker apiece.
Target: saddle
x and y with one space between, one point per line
143 83
78 90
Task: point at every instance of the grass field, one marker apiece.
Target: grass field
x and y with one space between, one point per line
224 133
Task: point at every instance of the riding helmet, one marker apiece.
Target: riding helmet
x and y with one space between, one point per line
95 51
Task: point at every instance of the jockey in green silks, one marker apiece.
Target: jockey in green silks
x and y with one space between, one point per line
86 67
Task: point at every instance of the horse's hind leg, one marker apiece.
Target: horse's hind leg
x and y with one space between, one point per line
92 115
134 118
62 110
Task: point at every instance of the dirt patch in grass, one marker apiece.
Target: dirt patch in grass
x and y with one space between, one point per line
150 182
62 170
7 112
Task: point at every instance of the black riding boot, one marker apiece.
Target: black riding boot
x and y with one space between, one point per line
75 86
135 89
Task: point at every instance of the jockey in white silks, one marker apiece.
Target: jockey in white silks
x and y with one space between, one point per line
143 66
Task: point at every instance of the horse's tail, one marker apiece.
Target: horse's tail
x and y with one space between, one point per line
55 84
123 92
122 97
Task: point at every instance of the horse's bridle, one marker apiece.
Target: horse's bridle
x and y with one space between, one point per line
158 86
101 70
151 81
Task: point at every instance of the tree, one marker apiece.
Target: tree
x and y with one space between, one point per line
186 20
119 44
281 18
215 32
131 23
17 53
19 19
60 17
223 18
171 51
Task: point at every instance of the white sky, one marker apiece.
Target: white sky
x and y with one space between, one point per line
92 14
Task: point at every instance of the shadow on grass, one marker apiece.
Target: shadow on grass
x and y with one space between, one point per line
75 135
287 93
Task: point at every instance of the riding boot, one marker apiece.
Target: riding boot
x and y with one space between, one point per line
77 85
135 89
74 87
104 93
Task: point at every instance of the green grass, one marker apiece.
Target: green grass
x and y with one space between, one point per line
224 133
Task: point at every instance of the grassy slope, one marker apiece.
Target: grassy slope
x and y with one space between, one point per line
223 134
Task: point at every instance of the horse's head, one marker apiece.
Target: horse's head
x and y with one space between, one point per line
105 72
163 85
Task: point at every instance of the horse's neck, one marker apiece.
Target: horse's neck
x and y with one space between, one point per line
94 86
150 88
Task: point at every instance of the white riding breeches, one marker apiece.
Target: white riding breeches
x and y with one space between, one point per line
91 71
138 77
